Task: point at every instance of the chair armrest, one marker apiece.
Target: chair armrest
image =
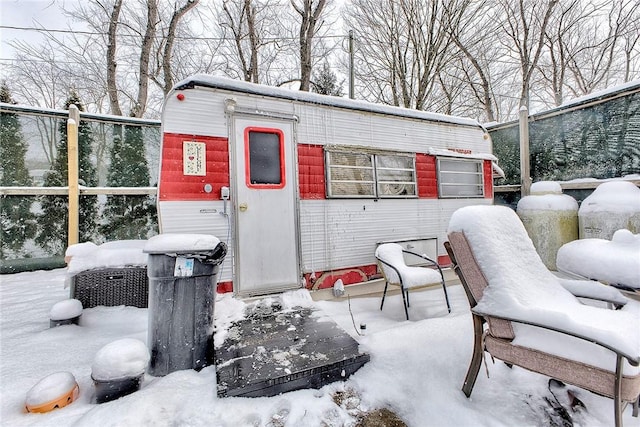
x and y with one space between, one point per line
594 290
634 360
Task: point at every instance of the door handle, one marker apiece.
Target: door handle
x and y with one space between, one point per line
242 207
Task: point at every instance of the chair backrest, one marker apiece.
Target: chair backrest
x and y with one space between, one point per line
390 254
506 257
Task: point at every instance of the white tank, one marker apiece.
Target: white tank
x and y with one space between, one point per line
551 219
613 205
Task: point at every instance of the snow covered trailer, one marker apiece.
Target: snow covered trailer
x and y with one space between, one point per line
302 187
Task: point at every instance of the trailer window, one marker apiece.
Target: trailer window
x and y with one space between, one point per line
351 174
395 175
264 158
460 178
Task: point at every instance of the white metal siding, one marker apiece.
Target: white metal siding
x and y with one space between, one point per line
198 217
203 113
343 233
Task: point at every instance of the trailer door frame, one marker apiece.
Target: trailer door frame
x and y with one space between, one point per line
267 234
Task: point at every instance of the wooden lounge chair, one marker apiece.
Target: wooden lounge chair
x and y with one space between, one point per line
526 316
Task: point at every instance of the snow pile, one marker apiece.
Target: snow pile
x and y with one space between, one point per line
613 205
391 253
119 359
227 310
545 187
67 309
522 288
614 261
117 254
180 243
50 388
613 196
297 298
547 196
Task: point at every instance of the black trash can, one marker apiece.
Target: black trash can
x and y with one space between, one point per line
183 274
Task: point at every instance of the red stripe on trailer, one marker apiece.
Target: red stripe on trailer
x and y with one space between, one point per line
488 179
426 176
444 260
349 276
311 172
174 185
224 287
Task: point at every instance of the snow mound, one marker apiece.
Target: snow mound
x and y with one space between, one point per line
67 309
120 359
122 253
546 187
612 196
178 242
50 388
595 258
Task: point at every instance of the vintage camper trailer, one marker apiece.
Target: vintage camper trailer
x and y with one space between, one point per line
302 186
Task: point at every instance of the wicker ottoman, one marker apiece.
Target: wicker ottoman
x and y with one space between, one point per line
111 287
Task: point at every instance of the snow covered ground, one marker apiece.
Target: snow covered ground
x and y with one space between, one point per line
416 369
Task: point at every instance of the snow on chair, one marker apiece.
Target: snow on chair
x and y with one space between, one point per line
397 273
534 319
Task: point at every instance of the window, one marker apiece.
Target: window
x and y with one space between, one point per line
395 175
354 174
264 158
460 177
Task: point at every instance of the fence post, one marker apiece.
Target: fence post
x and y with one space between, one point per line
73 175
525 171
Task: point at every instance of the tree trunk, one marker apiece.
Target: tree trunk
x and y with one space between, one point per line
168 47
145 53
112 88
309 19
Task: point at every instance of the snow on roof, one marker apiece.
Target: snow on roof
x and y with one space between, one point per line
521 287
604 93
451 153
314 98
600 95
614 261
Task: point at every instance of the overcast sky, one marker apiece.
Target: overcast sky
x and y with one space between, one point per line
28 13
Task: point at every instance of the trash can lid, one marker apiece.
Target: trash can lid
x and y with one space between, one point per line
180 243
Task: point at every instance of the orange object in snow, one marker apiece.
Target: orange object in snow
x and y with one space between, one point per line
55 391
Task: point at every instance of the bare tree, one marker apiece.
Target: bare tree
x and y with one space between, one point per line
239 18
477 41
169 42
310 11
112 65
591 66
402 46
254 40
524 23
631 47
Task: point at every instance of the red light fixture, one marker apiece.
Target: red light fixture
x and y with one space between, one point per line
180 96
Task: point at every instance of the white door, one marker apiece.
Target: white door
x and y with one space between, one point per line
266 251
